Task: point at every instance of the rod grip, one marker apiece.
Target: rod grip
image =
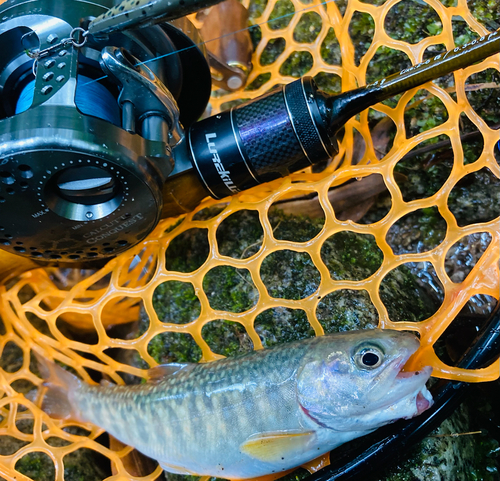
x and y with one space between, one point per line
256 142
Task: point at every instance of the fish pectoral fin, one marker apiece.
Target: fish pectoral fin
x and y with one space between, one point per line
176 469
160 372
274 446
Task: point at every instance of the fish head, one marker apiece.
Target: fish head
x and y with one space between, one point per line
354 381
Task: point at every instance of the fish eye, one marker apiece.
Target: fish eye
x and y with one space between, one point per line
369 358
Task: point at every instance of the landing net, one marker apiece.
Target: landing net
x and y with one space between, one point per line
343 45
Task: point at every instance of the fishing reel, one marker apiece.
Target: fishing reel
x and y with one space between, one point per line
87 126
98 138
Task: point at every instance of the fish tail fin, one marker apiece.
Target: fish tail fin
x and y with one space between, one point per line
60 385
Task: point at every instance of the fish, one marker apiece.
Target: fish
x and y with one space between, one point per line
261 413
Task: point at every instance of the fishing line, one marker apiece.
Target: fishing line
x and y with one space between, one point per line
242 30
91 98
225 35
459 57
340 108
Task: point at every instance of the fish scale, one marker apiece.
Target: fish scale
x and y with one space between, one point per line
264 412
237 411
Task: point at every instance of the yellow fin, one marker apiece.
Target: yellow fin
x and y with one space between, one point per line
272 447
171 468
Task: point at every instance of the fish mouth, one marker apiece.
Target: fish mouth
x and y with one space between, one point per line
423 402
411 385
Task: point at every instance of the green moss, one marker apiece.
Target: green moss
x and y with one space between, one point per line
426 173
256 8
297 64
361 29
329 82
412 21
404 298
286 274
85 465
226 338
174 347
10 445
485 101
255 35
307 28
281 15
351 256
280 324
228 241
230 289
385 62
295 228
347 310
289 274
187 251
472 150
486 11
37 466
12 357
424 115
259 81
272 51
462 34
330 49
176 302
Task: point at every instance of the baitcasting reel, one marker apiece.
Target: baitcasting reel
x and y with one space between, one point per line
87 126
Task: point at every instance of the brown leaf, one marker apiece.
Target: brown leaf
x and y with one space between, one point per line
342 198
356 212
381 136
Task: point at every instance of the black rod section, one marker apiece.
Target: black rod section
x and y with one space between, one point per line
340 108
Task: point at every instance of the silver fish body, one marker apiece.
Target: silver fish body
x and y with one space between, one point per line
264 412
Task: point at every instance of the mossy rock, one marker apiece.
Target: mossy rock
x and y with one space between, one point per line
80 465
450 453
286 275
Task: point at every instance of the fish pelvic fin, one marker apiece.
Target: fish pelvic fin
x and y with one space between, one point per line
276 446
60 385
176 469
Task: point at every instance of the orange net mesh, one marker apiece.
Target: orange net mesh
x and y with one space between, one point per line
37 308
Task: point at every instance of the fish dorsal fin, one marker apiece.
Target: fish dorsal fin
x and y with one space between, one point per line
274 446
162 371
106 383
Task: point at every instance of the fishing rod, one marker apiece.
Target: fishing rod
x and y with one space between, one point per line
99 137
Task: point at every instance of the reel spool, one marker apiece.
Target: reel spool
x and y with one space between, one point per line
83 160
